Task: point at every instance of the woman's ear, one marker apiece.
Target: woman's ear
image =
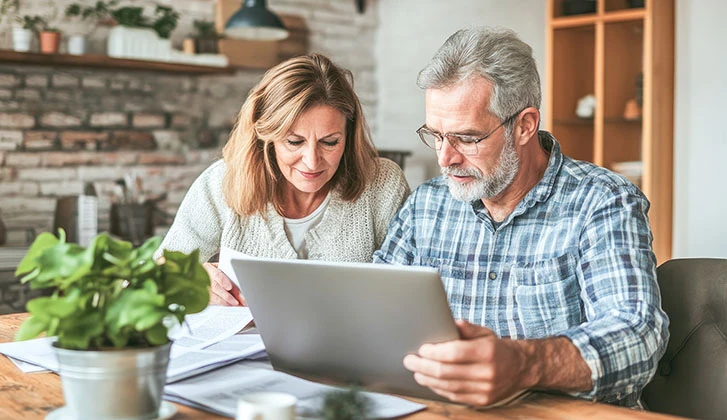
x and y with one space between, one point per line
527 124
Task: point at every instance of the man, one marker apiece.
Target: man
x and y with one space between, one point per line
548 259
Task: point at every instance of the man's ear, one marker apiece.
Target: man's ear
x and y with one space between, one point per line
526 126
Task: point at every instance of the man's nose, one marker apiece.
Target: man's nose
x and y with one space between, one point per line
448 155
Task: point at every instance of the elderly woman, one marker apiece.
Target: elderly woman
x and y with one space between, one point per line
299 178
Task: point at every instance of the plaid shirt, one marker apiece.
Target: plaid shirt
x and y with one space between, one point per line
573 259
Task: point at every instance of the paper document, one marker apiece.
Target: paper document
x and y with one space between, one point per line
225 263
212 325
26 367
218 391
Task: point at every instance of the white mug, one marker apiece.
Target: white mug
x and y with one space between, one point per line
266 406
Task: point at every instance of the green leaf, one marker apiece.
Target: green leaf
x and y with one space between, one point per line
157 335
42 242
77 332
32 327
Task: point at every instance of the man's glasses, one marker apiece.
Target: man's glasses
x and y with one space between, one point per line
467 145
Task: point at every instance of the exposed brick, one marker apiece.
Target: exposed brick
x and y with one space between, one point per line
167 140
8 174
93 82
181 121
9 80
57 189
18 188
16 119
59 119
160 158
146 120
135 84
88 140
46 174
40 140
123 157
109 119
27 94
99 173
23 204
53 159
3 153
206 139
132 140
117 85
36 80
64 80
21 159
9 105
6 93
58 95
10 139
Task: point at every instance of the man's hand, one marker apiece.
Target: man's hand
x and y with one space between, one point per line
222 290
478 369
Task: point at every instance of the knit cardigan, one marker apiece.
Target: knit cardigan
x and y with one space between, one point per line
349 231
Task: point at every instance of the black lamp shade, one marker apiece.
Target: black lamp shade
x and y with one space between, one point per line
255 21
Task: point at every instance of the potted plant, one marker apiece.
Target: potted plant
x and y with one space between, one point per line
23 33
49 37
96 13
165 22
206 38
136 36
110 307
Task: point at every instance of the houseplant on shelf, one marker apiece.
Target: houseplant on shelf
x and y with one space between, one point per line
205 41
110 307
136 36
23 33
95 14
49 37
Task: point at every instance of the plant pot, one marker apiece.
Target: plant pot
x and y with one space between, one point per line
113 384
22 39
49 42
77 44
205 45
137 43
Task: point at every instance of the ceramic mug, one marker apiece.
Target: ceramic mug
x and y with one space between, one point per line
266 406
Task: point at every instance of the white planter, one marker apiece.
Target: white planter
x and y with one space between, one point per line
77 44
137 43
22 39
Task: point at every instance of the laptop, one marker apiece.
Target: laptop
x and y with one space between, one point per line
346 323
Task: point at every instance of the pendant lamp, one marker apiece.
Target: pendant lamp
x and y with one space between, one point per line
255 22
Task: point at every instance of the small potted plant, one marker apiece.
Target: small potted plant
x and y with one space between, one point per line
206 38
49 38
96 13
24 32
110 305
136 36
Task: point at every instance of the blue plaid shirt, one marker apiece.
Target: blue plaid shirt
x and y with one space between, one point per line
573 259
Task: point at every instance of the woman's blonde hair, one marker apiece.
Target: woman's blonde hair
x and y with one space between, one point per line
252 178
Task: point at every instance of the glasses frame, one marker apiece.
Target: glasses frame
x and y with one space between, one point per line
456 139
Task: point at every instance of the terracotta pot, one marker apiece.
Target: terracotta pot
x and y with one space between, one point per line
49 42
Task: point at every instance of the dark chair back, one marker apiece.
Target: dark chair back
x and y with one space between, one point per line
691 380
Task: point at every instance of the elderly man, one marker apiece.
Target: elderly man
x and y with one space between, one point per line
547 261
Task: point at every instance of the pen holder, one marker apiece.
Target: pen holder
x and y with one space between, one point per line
133 222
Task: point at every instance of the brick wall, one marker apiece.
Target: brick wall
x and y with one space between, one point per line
63 127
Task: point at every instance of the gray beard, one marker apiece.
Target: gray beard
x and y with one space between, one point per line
485 186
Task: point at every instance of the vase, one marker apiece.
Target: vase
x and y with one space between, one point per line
77 44
113 384
22 39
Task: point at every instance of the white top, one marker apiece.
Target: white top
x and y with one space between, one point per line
348 231
297 229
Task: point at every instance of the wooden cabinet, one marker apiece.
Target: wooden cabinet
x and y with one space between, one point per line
622 53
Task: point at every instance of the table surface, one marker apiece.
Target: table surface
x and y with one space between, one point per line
32 396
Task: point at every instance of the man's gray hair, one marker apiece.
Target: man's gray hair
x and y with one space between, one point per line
497 54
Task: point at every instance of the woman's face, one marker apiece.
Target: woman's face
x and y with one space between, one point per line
309 155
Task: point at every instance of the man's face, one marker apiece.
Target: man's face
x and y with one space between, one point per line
463 109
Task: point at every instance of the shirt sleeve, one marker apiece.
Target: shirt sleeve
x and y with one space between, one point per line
198 222
399 246
627 330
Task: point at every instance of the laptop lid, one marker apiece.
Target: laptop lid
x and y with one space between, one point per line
350 323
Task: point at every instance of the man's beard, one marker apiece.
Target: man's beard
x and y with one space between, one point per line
485 186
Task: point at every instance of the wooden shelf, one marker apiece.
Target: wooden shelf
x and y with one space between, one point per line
106 62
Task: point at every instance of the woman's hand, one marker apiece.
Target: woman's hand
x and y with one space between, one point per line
222 290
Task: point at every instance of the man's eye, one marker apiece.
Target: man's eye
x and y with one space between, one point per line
464 139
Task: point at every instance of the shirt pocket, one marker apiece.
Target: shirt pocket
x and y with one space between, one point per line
547 294
454 278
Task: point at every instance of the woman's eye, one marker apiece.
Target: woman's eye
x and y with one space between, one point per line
330 143
294 143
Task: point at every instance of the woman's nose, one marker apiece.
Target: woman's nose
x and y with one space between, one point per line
310 156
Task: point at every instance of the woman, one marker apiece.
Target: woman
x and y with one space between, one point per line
299 178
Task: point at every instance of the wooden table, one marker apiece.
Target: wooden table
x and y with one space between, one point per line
32 396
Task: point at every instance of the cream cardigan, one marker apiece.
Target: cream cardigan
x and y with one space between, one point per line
349 231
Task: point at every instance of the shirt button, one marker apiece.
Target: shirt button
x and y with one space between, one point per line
493 275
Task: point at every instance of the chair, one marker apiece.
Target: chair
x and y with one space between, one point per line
691 379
